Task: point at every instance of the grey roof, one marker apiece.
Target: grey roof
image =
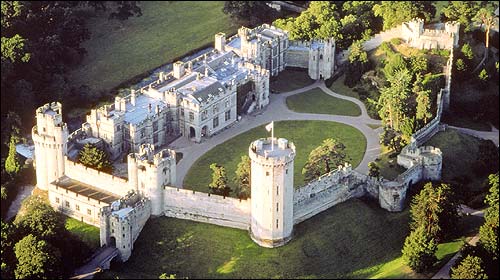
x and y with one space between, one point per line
139 112
202 89
86 190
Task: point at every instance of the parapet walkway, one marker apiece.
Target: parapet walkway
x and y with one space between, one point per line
278 111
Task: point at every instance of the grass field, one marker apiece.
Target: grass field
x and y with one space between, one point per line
119 51
306 136
317 102
346 238
87 233
290 79
389 168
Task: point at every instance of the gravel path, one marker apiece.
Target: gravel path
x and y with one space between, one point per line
277 111
16 204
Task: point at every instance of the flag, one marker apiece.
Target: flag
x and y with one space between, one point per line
270 126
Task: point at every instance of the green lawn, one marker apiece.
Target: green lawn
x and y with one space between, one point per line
306 136
87 233
348 237
460 156
317 102
389 167
339 87
290 79
119 51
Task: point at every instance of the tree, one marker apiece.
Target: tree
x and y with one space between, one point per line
219 183
324 158
397 12
96 158
435 209
467 51
243 177
358 61
8 257
373 169
12 163
392 100
423 100
461 11
38 218
488 232
469 268
486 16
36 259
125 10
165 276
254 11
419 250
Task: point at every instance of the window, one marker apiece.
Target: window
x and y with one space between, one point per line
191 116
142 185
227 103
182 112
123 235
67 204
89 212
277 222
165 171
286 171
277 207
155 125
277 190
112 231
57 199
228 115
267 173
320 56
143 132
204 115
215 109
216 122
155 138
77 207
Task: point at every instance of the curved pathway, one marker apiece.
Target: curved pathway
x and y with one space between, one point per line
278 111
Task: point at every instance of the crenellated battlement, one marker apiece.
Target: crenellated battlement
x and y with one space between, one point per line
261 151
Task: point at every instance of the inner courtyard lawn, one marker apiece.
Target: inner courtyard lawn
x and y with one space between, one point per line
290 79
317 102
346 238
87 233
118 51
306 135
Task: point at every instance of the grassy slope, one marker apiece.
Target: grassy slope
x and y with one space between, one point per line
306 136
345 238
317 102
119 51
289 79
87 233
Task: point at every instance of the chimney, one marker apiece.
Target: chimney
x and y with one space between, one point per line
132 98
220 42
117 103
198 76
178 69
157 109
149 107
190 66
123 105
161 77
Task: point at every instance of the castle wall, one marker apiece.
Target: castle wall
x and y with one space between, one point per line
326 191
102 180
297 57
67 202
207 208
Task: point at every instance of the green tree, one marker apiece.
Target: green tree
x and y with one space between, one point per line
488 232
37 217
373 169
219 184
95 158
423 100
36 259
469 268
483 75
419 250
253 11
393 98
12 163
8 257
397 12
14 49
461 11
486 16
243 177
125 9
435 209
165 276
358 63
324 158
467 51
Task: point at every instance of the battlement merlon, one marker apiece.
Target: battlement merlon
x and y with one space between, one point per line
147 155
262 151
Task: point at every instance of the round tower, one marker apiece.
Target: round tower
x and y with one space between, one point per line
50 136
271 191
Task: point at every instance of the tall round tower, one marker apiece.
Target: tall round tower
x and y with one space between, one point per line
272 191
50 135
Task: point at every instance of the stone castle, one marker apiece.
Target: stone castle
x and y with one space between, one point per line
189 98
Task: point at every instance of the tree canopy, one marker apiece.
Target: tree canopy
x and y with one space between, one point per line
95 158
324 158
397 12
419 250
243 177
469 268
219 184
37 259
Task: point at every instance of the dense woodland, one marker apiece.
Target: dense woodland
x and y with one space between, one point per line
42 41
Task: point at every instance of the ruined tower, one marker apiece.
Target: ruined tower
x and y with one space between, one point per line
50 135
272 191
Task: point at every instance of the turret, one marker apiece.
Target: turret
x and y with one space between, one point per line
271 191
220 41
153 172
50 136
179 69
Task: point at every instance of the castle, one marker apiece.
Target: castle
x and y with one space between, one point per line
416 36
137 125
